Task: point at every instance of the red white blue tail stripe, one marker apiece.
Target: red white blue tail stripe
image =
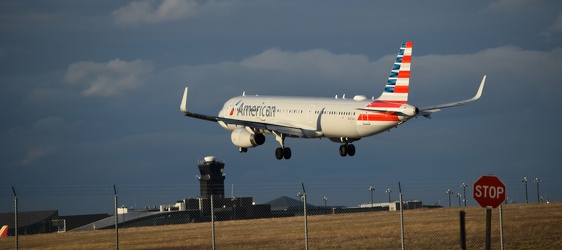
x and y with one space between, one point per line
397 86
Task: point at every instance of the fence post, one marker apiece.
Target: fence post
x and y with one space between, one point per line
501 228
488 227
401 216
116 219
213 222
463 229
16 217
303 196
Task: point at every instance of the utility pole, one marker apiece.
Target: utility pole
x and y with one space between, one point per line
116 219
16 217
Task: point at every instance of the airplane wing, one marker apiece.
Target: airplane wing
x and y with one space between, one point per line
183 108
287 129
427 111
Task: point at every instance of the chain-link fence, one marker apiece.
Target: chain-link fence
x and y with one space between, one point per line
269 216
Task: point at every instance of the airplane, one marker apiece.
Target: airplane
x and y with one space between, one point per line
340 120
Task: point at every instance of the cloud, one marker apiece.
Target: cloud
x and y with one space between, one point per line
37 153
108 79
313 61
168 10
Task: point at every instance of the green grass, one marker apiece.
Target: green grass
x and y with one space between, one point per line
526 226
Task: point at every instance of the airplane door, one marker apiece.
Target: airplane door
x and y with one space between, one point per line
310 114
365 118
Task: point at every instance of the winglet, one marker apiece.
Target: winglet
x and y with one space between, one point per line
183 105
479 93
436 108
183 108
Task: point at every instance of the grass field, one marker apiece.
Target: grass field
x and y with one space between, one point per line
526 226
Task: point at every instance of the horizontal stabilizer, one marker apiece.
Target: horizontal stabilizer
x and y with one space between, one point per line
403 109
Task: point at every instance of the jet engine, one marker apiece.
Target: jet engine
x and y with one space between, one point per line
246 139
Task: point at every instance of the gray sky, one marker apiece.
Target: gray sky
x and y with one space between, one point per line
89 91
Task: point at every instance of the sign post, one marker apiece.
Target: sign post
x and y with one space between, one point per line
489 192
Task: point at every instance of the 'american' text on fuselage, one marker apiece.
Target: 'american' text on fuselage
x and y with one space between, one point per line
256 110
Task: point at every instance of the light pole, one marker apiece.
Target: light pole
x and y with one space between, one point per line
449 192
537 180
371 188
325 199
463 185
459 196
388 191
526 193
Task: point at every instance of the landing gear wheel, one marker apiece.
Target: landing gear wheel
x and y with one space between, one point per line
279 153
343 150
350 150
242 150
287 153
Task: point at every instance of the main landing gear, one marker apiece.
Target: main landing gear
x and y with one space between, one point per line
347 149
282 152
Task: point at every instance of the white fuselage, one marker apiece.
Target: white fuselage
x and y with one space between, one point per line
318 117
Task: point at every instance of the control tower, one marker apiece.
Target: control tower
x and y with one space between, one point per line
211 181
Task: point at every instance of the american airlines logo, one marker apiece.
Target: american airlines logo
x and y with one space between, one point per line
254 110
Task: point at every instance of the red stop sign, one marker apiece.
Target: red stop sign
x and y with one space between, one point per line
489 191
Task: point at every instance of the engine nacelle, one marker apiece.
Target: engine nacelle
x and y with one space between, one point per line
409 110
245 139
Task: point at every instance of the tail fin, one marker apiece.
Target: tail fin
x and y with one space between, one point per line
4 231
396 89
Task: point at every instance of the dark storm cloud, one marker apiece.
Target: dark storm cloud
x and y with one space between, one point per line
90 91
